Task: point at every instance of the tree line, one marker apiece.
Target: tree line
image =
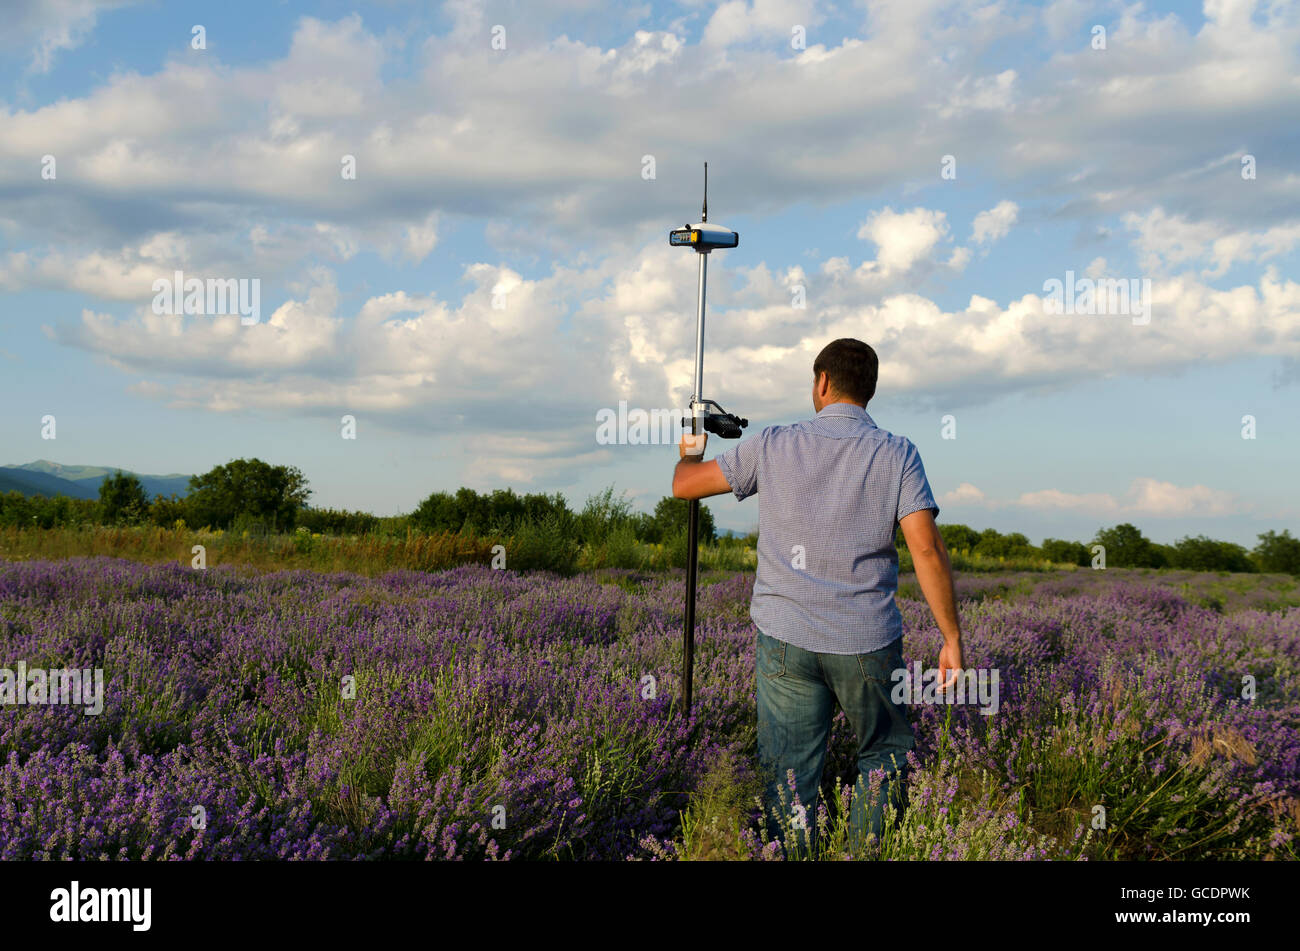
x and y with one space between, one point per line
1124 546
254 496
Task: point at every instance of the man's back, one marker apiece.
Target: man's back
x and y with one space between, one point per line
831 491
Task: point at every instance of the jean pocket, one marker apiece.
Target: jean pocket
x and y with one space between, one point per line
769 656
880 666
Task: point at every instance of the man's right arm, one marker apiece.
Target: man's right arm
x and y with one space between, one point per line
934 574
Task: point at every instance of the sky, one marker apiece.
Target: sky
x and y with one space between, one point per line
456 218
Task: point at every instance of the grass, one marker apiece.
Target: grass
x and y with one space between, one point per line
538 546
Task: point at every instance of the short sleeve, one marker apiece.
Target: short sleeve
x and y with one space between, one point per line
914 488
739 465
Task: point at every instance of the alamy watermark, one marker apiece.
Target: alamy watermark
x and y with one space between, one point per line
82 904
639 427
63 686
974 685
213 297
1103 296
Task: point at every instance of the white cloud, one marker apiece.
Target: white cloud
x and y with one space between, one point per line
1055 500
995 223
1153 497
233 169
1145 497
481 133
903 238
632 321
1167 240
736 21
981 94
52 26
964 494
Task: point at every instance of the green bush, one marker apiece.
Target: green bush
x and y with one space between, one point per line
337 522
168 511
122 500
543 543
1206 554
501 511
249 490
618 549
604 516
1066 552
672 516
1278 553
37 511
1126 547
956 537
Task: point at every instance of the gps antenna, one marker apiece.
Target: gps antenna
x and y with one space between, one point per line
706 416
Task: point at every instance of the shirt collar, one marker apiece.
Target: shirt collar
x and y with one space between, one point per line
850 410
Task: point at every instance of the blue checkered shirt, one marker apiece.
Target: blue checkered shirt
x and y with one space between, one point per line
833 490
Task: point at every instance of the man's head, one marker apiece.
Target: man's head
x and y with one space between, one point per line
844 372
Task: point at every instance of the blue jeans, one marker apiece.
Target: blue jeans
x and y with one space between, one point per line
797 690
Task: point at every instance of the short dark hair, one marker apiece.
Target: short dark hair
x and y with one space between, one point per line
851 366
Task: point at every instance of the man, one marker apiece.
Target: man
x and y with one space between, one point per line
831 492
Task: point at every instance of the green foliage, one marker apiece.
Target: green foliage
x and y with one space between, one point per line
1280 553
1126 547
957 537
37 511
250 492
670 519
996 545
122 499
501 511
543 543
1206 554
337 522
168 511
1066 552
604 515
254 498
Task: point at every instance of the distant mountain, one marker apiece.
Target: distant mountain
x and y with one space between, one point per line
80 482
15 479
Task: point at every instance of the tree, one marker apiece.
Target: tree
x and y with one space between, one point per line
1280 553
603 514
248 490
996 545
671 515
499 511
1065 552
122 499
1126 547
443 512
167 511
1206 554
957 537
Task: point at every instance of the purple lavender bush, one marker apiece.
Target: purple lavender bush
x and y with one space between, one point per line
480 714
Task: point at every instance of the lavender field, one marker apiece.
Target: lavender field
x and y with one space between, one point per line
488 714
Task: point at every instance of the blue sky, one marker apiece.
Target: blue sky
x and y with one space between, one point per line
519 176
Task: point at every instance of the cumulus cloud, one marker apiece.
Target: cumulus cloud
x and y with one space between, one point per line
485 134
1146 497
736 21
48 27
234 170
625 329
964 494
1168 240
995 223
903 238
